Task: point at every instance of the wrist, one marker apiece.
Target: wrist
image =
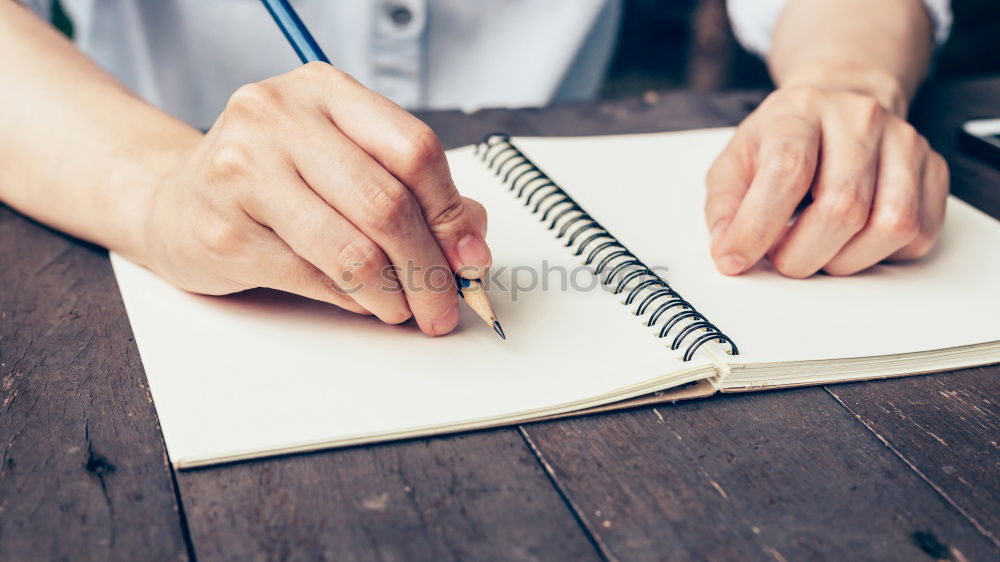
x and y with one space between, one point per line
884 87
134 187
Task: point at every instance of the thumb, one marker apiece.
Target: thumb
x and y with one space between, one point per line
478 214
459 225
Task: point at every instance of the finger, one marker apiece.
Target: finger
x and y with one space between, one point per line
284 270
727 182
412 153
355 265
478 215
894 221
349 180
842 195
785 164
934 198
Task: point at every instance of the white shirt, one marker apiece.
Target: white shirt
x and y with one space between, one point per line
753 21
188 56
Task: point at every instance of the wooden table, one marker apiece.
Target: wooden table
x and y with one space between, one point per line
901 469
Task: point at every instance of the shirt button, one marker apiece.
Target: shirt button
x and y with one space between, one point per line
400 15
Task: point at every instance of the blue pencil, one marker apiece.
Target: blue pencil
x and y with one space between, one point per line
295 31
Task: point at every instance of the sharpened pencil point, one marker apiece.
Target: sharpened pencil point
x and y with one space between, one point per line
498 329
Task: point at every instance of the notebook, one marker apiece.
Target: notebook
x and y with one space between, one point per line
604 284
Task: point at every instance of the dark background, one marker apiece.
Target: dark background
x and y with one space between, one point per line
689 44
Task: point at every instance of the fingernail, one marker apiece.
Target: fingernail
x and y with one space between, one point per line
731 264
720 226
473 252
446 322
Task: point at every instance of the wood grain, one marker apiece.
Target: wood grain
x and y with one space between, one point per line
478 496
83 470
946 428
782 475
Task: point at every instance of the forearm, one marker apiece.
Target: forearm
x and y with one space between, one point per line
78 150
877 48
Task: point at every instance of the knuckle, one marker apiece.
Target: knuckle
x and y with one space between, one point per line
900 222
450 215
359 257
847 207
421 148
391 207
315 70
910 140
802 98
439 282
328 75
221 237
749 239
335 76
227 162
920 247
937 173
788 163
868 112
937 161
475 207
253 101
434 301
478 213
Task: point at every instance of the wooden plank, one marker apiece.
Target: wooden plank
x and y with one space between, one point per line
946 428
782 475
83 470
478 496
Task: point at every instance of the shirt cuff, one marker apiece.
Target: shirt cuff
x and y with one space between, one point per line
40 7
753 21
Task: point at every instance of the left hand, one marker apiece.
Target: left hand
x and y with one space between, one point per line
878 189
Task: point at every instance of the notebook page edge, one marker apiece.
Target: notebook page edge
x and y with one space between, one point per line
696 373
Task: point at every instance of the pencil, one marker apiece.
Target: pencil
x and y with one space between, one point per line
474 294
295 31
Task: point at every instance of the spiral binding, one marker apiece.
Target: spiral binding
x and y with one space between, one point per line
582 232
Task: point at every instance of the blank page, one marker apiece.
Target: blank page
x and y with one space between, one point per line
263 373
649 190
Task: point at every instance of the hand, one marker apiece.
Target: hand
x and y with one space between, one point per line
878 190
311 184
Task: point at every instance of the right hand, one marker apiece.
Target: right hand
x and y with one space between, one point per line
312 184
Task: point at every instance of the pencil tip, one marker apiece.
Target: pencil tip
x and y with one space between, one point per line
498 329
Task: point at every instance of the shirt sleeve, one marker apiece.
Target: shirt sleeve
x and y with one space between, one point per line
41 7
753 21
